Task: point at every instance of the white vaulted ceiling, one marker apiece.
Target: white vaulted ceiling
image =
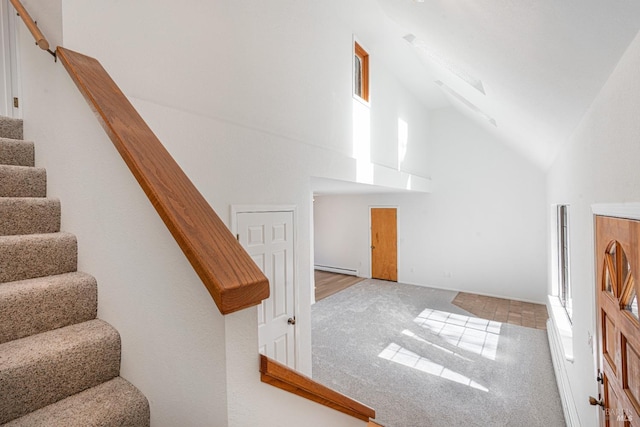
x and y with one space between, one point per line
540 63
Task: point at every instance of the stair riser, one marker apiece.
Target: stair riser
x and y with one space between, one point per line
37 255
15 152
38 305
29 216
11 128
40 370
20 181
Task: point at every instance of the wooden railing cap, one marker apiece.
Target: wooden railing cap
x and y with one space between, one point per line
230 275
285 378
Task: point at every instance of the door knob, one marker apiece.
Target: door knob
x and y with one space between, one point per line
594 402
291 320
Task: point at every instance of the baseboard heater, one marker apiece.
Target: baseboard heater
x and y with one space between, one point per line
349 271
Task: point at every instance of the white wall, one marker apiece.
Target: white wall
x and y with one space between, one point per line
340 228
482 230
172 334
487 219
254 111
597 165
252 99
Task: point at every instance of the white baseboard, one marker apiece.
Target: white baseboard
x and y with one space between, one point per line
349 271
564 388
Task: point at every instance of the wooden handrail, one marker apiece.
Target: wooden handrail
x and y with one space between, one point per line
31 25
281 376
228 272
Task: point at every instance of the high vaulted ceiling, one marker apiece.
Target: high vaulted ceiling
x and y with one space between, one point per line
540 63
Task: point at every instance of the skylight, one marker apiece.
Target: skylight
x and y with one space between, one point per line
466 102
445 63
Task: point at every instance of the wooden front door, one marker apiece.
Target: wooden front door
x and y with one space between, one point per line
384 244
618 262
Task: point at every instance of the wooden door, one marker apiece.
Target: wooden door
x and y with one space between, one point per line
384 244
268 238
618 261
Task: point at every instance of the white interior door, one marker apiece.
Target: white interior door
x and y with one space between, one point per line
9 85
268 238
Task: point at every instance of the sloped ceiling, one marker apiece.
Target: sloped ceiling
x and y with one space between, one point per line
540 62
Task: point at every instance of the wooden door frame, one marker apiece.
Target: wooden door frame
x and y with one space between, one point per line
397 239
239 209
629 211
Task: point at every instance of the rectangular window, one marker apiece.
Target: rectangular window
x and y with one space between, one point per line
564 278
360 72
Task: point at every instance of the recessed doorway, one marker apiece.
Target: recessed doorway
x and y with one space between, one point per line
384 244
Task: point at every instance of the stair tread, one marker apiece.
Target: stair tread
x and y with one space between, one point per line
22 181
11 128
29 215
113 403
41 369
17 152
32 306
37 255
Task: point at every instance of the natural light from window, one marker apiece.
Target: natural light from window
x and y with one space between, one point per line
422 340
403 139
468 334
401 355
479 336
362 142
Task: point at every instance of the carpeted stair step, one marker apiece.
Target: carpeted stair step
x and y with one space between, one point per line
42 369
10 128
17 152
29 215
115 403
29 307
37 255
22 181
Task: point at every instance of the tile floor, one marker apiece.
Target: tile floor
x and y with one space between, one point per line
503 310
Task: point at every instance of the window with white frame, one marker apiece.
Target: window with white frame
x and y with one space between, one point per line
564 277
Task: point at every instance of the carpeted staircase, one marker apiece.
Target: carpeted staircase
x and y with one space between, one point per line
59 365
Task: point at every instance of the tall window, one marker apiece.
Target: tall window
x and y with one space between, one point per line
360 72
564 279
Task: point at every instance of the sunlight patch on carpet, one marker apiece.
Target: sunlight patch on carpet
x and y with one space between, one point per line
402 356
479 336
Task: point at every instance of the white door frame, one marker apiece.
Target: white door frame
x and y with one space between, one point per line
238 209
10 79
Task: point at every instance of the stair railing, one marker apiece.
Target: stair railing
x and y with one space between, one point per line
230 275
32 26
